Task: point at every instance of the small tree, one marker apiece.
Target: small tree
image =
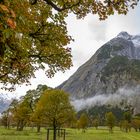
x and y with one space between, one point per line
6 117
83 121
55 108
127 116
37 118
22 114
126 125
110 120
96 123
136 123
78 124
33 97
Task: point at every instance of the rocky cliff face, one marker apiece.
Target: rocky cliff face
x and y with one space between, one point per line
115 65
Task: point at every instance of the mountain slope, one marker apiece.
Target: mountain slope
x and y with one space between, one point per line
115 65
5 100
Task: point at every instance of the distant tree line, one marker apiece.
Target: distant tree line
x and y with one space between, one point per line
107 115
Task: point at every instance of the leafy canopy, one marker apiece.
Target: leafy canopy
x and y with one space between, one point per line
54 107
81 8
39 39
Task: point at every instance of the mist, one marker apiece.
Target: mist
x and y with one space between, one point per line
127 95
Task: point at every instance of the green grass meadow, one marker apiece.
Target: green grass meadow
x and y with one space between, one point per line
71 134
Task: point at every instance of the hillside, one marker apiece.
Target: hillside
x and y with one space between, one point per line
113 70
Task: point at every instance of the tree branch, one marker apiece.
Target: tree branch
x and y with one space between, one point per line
2 76
49 2
55 6
39 56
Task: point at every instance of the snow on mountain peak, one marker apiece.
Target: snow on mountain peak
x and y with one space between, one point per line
134 38
124 35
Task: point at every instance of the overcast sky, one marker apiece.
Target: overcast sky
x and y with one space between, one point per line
89 34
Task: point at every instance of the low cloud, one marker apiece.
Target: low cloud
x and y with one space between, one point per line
125 94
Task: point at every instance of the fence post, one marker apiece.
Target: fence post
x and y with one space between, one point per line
47 134
64 134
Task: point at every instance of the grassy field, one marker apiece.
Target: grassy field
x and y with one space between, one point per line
72 134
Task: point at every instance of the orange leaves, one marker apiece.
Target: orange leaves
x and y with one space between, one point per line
13 14
8 16
11 23
4 8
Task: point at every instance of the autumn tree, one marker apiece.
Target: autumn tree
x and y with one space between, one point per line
22 113
96 122
6 117
78 124
37 118
39 40
54 107
83 121
72 121
110 120
33 97
11 111
125 125
127 116
126 122
35 35
83 7
136 123
11 116
22 110
19 112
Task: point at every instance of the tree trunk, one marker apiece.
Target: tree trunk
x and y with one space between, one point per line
54 129
38 128
111 129
59 132
129 129
18 125
83 130
21 125
8 125
126 130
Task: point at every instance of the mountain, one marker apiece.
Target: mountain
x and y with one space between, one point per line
5 100
113 70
